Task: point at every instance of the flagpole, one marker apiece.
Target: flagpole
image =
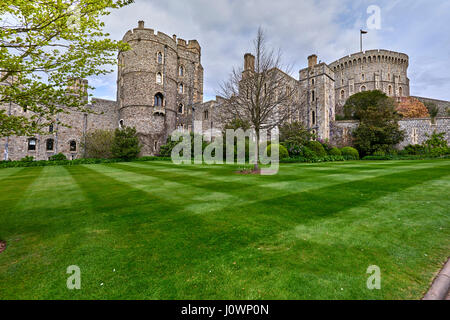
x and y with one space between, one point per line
361 32
360 39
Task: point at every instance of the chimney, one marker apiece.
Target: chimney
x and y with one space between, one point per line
249 62
141 24
312 61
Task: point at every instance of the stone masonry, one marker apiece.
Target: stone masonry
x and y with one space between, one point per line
160 89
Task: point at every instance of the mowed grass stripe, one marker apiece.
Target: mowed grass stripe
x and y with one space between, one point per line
254 250
328 266
41 229
306 181
166 190
390 232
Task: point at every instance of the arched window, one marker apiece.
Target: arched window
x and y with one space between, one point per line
50 128
363 77
50 144
363 88
342 94
313 96
180 88
181 108
121 124
390 90
73 146
159 78
400 91
159 100
181 71
155 146
312 81
313 118
206 115
32 144
159 57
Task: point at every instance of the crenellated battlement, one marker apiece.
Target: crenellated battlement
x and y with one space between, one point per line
369 57
146 34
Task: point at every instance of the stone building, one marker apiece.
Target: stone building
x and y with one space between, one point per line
160 89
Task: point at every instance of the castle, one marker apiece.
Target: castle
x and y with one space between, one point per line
160 89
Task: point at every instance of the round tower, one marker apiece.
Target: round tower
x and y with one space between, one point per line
154 81
382 70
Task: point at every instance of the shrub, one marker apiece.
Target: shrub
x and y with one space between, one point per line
350 153
379 154
438 152
166 150
27 159
335 152
283 153
97 144
58 157
414 149
307 153
317 148
126 144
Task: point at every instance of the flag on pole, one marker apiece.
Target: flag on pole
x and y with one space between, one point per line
363 32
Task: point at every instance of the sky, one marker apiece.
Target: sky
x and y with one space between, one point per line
225 30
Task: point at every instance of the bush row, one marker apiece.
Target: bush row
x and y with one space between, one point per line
316 159
43 163
404 157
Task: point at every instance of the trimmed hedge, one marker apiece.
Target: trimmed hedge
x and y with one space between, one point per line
314 160
403 157
282 151
44 163
317 148
350 152
335 152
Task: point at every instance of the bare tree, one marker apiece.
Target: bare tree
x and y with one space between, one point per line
263 94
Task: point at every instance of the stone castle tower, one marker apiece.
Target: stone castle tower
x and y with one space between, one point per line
382 70
159 79
317 83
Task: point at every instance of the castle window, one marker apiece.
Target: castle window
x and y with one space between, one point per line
206 115
181 71
180 88
363 88
159 100
414 136
159 57
313 118
121 124
363 77
342 82
312 81
50 144
389 76
313 96
25 109
370 59
50 128
32 144
342 94
400 91
390 90
155 146
181 109
159 78
73 146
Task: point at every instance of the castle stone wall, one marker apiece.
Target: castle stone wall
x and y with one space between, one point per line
416 131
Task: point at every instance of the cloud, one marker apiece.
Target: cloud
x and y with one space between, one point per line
329 28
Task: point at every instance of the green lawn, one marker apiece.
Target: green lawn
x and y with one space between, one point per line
203 232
